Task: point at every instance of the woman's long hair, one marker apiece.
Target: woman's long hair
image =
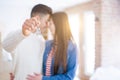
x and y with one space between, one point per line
61 38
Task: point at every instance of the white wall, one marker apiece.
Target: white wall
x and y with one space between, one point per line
111 33
12 17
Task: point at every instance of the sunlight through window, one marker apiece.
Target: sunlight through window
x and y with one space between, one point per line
89 42
74 20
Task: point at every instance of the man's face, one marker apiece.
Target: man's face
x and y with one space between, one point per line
44 22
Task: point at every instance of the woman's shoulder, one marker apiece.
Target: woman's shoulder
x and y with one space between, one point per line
72 45
48 43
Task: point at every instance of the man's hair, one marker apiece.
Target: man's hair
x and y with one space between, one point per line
41 9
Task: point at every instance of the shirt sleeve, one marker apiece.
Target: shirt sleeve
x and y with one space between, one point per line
71 67
12 40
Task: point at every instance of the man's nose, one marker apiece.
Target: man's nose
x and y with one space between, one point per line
46 26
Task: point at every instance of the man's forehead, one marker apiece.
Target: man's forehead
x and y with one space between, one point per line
41 15
44 15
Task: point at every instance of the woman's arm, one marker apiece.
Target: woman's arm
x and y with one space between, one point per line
71 67
12 40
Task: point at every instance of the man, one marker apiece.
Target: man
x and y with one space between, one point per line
27 47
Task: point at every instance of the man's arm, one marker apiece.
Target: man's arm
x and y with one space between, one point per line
12 40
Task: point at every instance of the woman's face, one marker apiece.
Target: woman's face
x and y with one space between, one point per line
52 27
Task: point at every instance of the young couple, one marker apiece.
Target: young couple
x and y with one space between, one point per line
47 60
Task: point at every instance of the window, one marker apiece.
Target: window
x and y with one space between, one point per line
89 42
83 30
74 20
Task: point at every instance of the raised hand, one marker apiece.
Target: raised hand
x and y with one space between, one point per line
30 26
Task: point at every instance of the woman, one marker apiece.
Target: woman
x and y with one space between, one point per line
60 56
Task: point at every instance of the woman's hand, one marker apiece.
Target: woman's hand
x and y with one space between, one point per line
36 76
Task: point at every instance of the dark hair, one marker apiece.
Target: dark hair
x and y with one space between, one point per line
61 39
41 9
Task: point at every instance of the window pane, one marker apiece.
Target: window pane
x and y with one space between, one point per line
74 20
89 42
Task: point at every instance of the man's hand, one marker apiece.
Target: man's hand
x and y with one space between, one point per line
30 26
11 76
34 77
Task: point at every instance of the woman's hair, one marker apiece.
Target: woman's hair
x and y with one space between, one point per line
61 39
